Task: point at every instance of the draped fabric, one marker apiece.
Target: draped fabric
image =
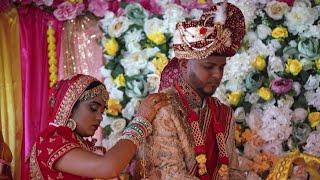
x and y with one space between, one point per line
34 63
81 52
10 86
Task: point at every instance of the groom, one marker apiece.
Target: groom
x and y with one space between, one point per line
193 137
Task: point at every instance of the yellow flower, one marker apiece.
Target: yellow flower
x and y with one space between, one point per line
120 80
114 107
50 31
157 37
201 1
160 61
293 66
265 93
259 63
51 46
279 32
111 47
318 64
234 97
52 56
314 118
53 69
201 158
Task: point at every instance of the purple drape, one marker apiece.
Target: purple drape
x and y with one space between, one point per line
35 77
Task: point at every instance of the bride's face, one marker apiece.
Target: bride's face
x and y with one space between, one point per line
88 115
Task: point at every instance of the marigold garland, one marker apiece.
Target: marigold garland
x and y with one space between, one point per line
52 56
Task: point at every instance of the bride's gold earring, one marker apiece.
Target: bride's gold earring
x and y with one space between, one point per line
71 124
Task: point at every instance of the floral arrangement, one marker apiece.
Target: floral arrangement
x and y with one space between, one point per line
273 84
69 9
136 46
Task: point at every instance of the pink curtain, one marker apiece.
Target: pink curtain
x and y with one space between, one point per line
35 77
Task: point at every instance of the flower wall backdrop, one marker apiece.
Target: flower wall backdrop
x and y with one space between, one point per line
273 82
273 85
136 46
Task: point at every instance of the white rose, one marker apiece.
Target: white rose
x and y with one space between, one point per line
118 26
293 43
149 52
299 114
115 93
296 87
173 14
132 39
275 65
263 31
133 63
235 85
105 22
239 113
251 37
252 98
275 44
300 18
105 72
285 101
312 82
312 31
313 98
130 108
163 3
313 145
254 119
154 25
153 82
276 9
196 13
133 47
118 125
258 47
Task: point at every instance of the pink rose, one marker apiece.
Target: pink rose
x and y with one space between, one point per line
79 8
289 2
65 11
281 85
192 4
98 7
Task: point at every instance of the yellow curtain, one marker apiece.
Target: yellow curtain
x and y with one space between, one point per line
11 122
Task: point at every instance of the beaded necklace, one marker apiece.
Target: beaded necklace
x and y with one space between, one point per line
200 149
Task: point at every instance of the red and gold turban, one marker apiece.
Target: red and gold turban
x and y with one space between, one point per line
219 31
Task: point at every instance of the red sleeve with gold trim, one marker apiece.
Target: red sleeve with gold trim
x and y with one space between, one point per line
54 144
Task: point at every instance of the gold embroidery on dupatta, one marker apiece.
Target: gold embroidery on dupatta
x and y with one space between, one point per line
60 152
35 173
72 95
